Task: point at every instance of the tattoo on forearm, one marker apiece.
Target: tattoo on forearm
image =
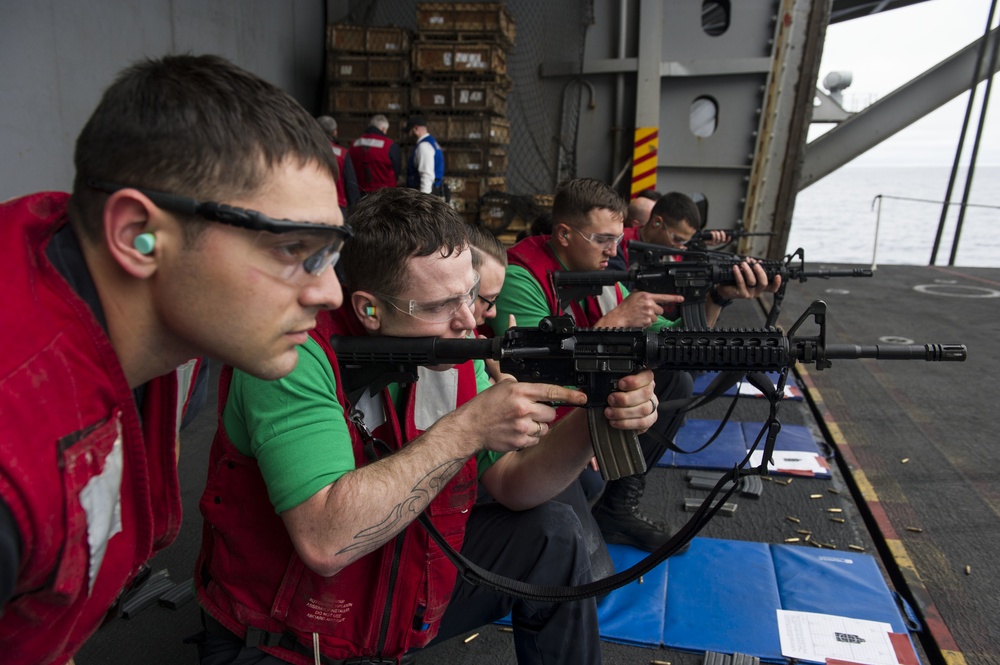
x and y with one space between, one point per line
423 492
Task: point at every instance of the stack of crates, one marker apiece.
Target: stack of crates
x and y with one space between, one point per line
459 64
367 72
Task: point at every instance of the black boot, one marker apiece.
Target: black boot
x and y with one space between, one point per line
617 513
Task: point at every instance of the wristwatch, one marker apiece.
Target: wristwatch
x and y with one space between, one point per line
719 300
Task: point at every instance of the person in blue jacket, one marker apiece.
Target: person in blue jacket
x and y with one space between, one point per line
425 168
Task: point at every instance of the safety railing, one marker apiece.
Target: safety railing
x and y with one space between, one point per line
877 205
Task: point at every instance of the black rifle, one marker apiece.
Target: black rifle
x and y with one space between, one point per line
594 359
698 240
652 268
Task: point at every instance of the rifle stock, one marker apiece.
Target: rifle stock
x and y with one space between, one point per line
594 359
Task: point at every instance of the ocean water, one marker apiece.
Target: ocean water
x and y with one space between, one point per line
835 219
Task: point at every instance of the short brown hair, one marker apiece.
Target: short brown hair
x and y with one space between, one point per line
576 198
391 226
193 125
484 241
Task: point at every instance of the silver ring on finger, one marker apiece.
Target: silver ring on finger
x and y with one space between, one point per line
653 404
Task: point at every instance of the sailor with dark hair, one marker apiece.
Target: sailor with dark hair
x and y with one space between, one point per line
176 242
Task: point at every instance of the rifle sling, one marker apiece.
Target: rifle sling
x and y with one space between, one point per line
474 574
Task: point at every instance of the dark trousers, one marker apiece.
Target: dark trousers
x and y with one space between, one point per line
670 385
544 546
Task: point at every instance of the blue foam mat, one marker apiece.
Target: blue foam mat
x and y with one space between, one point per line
703 380
723 595
632 613
732 444
726 451
723 598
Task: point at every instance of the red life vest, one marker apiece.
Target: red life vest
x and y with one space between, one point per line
340 152
372 164
76 460
631 233
535 255
381 605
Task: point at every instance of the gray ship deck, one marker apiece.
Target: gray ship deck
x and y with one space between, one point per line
917 471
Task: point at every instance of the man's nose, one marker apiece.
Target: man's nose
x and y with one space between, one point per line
465 319
323 291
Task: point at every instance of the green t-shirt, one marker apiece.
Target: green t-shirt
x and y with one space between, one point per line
523 297
296 429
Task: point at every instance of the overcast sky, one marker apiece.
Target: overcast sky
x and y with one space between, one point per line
888 49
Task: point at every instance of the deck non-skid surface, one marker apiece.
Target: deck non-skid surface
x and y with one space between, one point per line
921 471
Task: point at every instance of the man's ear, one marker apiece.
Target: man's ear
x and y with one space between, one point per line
368 312
560 234
128 215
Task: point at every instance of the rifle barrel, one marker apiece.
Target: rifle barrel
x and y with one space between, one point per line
824 274
706 234
928 352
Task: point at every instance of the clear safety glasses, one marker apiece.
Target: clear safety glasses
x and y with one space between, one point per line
436 311
605 240
676 240
296 248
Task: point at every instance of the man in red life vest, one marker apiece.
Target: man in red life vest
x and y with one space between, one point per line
672 220
635 218
309 542
112 290
587 227
377 158
639 208
347 181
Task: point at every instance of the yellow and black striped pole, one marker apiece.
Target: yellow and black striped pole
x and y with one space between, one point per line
647 140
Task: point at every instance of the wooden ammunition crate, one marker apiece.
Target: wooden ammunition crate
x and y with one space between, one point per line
361 39
471 188
462 128
351 99
544 201
488 97
487 17
463 58
493 216
475 159
350 68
